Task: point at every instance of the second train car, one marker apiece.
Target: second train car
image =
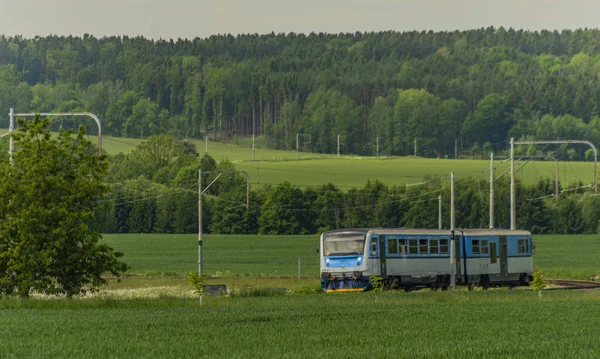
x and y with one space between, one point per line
414 258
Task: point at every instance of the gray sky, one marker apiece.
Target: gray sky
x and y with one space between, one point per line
202 18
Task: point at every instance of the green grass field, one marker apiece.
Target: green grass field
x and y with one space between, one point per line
157 316
223 254
574 256
351 172
492 324
312 169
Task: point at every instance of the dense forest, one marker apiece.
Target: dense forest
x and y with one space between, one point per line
169 204
469 89
436 94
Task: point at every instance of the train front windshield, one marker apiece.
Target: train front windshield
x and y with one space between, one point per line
340 244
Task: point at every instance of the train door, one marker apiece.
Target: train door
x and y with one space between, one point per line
494 266
503 257
382 256
373 252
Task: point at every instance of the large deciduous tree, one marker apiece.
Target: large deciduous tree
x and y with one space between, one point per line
47 206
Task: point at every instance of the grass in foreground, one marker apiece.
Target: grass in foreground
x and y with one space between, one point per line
493 324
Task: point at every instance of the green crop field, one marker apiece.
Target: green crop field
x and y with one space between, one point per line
138 317
492 324
223 254
569 256
312 169
350 172
217 150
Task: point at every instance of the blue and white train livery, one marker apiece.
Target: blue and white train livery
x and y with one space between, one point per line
412 258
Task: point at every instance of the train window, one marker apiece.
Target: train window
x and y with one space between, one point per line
402 246
374 246
433 246
413 247
423 246
527 246
443 246
392 246
522 245
484 246
475 246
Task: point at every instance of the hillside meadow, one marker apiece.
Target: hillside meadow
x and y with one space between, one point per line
272 167
568 256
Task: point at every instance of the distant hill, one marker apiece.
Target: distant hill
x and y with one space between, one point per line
424 93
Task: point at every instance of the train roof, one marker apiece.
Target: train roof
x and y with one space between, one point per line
347 230
429 231
423 231
495 232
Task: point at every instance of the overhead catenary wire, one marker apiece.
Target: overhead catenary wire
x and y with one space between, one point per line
392 196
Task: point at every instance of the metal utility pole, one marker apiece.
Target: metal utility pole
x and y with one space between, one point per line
338 146
12 115
415 145
200 222
377 146
569 142
512 184
451 201
492 190
298 142
452 267
11 129
440 211
252 147
512 169
556 178
206 144
455 148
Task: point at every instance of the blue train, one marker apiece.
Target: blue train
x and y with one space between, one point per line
416 258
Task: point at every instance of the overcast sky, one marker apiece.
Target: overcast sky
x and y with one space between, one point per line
202 18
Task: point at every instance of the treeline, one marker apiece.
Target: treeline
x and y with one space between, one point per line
144 207
155 190
467 90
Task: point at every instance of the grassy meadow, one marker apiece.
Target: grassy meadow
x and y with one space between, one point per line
158 316
312 169
558 256
492 324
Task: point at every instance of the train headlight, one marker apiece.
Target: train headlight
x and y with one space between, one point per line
359 259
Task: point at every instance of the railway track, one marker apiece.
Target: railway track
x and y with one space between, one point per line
564 284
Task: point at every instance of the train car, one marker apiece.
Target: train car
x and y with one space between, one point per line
414 258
